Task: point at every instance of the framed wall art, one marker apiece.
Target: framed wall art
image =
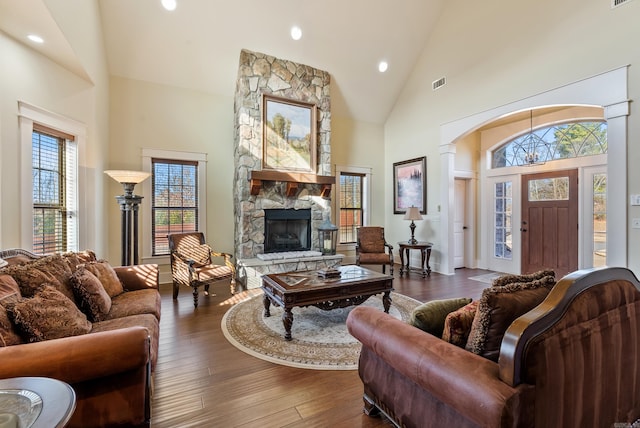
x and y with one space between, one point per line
289 133
410 185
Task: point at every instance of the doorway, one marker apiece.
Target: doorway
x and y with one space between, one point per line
549 223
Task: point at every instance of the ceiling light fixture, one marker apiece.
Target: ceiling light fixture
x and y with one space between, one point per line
530 146
383 66
169 4
36 39
296 32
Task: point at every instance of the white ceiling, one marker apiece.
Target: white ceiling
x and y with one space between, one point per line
198 45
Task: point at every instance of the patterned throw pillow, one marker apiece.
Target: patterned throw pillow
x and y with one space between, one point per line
430 316
90 294
48 315
107 277
510 279
9 294
498 308
457 325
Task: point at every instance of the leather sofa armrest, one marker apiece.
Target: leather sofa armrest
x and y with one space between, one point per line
460 379
139 277
79 358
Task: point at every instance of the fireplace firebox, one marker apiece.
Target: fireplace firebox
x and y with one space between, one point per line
287 230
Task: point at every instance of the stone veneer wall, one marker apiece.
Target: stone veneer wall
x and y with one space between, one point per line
263 74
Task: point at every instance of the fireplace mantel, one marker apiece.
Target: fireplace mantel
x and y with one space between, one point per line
293 180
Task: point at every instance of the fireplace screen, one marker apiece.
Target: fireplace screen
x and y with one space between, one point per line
287 230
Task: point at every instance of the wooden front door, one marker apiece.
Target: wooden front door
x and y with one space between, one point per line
549 226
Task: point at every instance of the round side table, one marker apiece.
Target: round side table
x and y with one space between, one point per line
39 402
425 253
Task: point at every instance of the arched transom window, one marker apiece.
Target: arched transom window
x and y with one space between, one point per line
560 141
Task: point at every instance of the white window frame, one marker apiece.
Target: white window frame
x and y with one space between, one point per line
366 198
147 156
28 115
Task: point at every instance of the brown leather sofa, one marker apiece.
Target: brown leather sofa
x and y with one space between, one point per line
110 368
572 361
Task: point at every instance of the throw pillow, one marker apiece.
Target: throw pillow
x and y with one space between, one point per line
510 279
91 295
53 270
48 315
430 316
457 325
498 308
9 335
107 277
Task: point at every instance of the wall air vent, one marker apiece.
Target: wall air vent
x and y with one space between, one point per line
617 3
441 82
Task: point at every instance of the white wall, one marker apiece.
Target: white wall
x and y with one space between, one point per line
153 116
494 53
27 76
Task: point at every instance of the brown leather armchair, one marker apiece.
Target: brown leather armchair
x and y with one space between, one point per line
370 248
192 264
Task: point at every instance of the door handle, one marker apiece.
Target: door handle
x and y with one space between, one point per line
523 230
465 227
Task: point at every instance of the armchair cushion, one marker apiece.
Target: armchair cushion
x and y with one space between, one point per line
90 294
107 277
49 314
430 316
374 258
498 308
371 240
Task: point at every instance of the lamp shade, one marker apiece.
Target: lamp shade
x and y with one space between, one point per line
413 213
123 176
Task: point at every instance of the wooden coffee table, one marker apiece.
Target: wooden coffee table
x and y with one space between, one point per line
354 286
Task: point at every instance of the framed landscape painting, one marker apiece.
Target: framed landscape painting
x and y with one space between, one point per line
410 185
288 134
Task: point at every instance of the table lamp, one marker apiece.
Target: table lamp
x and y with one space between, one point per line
413 213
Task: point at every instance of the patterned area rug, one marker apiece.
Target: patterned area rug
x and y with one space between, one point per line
320 338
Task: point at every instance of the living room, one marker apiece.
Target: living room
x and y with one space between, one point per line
497 59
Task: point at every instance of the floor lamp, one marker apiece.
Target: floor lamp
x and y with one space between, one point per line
129 204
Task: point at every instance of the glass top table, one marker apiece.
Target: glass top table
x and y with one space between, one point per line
35 402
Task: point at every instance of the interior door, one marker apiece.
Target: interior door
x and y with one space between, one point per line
459 226
549 226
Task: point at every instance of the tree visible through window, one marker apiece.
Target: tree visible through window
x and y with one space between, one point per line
174 202
351 211
569 140
54 165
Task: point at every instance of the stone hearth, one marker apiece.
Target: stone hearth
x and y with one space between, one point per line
260 74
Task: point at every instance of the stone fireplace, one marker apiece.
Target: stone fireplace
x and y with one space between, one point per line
256 191
287 230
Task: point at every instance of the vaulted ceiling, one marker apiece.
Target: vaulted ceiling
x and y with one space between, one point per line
197 46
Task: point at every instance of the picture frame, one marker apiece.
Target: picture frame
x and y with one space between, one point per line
289 134
410 185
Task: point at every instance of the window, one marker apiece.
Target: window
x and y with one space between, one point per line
503 203
54 167
175 200
353 197
569 140
599 220
351 214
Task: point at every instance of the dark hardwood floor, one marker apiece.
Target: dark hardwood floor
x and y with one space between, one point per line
203 381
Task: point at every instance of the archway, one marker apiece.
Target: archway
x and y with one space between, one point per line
608 90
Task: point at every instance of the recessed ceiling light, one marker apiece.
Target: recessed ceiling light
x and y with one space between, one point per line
169 4
383 66
296 32
36 39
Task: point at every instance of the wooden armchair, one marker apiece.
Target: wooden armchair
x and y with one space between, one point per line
192 264
370 248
